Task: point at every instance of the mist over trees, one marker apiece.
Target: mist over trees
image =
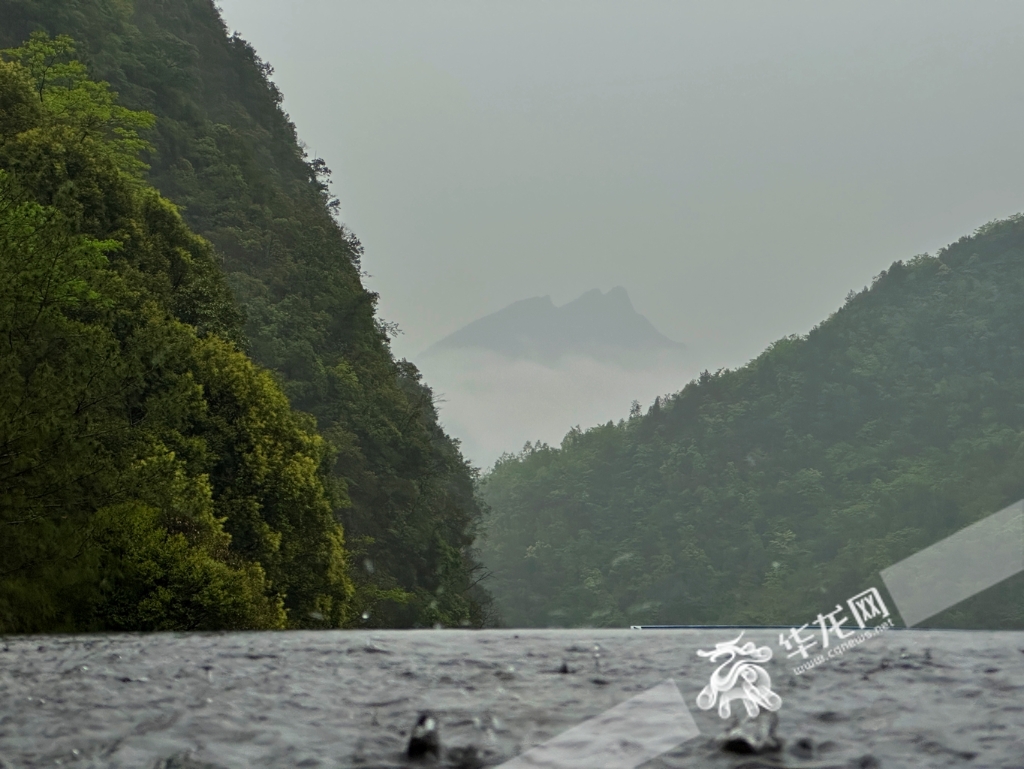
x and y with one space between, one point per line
204 426
764 494
209 429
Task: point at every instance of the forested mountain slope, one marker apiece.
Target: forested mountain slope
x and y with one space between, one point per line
768 493
151 477
224 151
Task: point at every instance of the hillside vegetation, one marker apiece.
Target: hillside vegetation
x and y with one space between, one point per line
769 493
275 321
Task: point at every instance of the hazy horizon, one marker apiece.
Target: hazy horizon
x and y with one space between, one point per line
739 168
533 370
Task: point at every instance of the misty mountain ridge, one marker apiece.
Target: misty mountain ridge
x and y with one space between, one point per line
602 326
754 495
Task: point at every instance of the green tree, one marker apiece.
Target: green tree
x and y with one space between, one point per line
225 151
151 476
771 492
77 478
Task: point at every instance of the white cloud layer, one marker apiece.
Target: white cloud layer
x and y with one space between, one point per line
495 404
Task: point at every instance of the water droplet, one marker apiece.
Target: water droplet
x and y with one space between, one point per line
366 616
438 626
316 615
368 565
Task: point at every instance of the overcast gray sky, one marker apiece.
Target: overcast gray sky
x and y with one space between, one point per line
738 167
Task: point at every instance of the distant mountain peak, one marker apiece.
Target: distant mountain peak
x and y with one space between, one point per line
604 326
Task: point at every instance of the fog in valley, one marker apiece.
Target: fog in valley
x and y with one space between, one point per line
737 167
566 383
524 373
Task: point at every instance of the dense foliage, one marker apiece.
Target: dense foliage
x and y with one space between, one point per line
223 150
769 493
151 477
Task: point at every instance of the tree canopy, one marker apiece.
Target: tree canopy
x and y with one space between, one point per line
151 476
765 494
282 279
